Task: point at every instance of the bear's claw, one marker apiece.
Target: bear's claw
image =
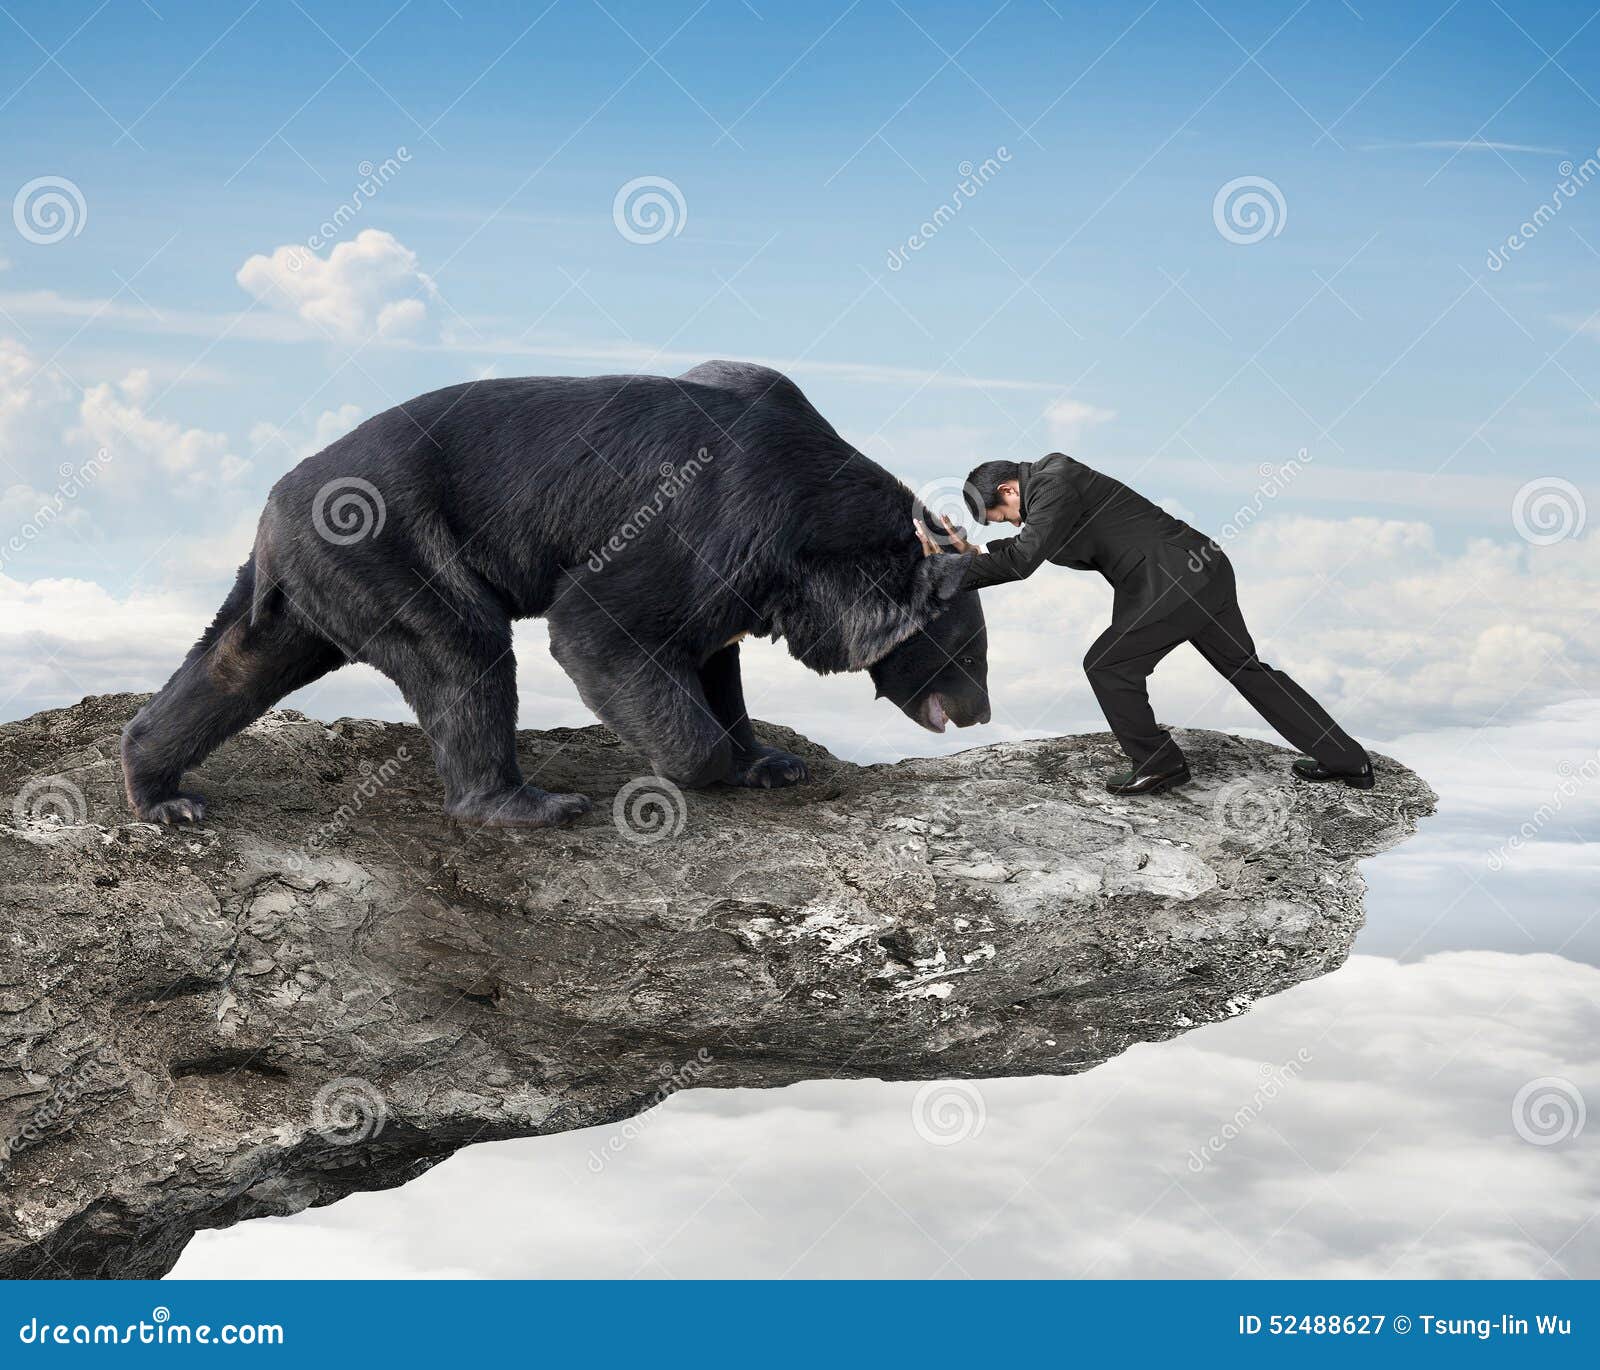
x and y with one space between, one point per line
770 769
181 808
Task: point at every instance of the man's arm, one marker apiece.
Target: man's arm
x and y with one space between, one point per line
1051 512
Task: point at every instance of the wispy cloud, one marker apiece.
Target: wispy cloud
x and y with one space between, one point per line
1466 145
259 325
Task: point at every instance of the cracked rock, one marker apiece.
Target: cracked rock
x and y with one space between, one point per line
329 987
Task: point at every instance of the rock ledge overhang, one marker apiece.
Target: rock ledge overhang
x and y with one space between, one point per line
329 988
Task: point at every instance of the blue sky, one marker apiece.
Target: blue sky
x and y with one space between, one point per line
807 143
1092 294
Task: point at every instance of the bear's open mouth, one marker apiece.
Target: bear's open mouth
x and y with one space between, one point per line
933 716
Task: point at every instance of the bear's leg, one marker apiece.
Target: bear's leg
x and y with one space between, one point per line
462 682
232 675
754 764
652 701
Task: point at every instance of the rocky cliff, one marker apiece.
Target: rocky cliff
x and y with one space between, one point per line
329 988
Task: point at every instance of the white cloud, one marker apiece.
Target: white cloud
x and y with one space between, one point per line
115 418
371 284
1368 1160
291 326
48 430
27 396
1068 420
1391 633
1467 145
300 443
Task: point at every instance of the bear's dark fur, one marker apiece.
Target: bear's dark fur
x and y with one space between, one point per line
652 521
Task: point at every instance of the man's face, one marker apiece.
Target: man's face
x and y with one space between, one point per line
1009 509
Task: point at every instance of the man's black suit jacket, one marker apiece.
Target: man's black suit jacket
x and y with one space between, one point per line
1075 516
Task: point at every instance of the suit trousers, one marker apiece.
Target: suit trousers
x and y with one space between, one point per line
1120 661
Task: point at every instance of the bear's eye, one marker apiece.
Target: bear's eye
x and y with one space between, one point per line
968 661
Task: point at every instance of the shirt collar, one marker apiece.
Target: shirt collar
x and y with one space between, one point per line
1024 471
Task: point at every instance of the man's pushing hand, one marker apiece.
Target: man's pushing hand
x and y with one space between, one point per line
956 538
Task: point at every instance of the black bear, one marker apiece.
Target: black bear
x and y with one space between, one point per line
653 521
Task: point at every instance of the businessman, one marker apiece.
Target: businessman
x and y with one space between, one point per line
1171 585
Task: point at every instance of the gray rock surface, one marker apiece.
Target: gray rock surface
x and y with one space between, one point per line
329 988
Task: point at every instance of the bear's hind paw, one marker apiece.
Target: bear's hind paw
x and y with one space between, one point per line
527 806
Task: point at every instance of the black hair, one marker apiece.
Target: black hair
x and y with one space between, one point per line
982 491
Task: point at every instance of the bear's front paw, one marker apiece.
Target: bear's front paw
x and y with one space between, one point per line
181 808
768 769
524 807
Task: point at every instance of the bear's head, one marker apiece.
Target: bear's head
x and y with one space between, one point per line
940 673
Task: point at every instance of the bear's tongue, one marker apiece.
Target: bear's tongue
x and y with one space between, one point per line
933 713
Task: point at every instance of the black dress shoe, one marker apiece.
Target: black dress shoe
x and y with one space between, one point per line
1309 768
1132 782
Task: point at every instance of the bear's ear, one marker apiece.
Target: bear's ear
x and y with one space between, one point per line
939 578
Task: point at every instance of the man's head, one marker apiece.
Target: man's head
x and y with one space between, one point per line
994 492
